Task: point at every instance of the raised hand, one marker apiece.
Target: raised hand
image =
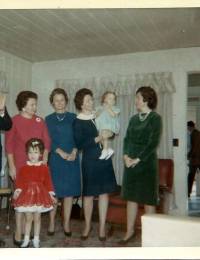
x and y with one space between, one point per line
2 102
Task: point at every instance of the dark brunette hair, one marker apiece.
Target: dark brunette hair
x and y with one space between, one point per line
80 94
106 93
23 97
35 143
149 95
190 124
58 91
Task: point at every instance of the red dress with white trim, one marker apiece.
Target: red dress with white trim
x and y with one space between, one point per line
34 182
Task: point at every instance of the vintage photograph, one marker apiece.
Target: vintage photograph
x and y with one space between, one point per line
100 128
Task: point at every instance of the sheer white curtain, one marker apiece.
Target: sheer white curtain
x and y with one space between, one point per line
125 87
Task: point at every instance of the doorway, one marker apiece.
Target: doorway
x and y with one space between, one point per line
193 114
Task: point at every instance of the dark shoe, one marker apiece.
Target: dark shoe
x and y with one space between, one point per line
2 243
16 242
123 242
102 239
26 246
50 233
68 234
85 237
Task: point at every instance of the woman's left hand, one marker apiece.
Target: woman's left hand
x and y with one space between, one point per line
54 199
72 156
134 162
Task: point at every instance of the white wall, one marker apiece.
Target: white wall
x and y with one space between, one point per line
19 74
179 61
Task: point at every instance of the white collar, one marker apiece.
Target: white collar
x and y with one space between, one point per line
34 164
85 117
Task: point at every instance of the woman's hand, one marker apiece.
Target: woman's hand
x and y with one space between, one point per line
54 199
129 162
16 194
62 154
134 162
12 172
45 157
2 102
72 155
98 139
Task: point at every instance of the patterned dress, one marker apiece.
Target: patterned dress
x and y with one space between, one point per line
140 183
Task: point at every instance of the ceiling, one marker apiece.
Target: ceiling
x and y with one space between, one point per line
52 34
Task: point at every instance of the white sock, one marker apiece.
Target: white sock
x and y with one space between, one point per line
36 238
36 242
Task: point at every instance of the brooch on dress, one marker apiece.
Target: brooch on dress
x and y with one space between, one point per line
38 119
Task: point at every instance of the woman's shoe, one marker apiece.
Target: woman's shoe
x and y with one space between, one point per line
36 243
2 243
102 239
85 237
25 244
125 241
16 242
68 234
50 233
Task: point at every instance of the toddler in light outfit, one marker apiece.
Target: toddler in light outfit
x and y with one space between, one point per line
107 121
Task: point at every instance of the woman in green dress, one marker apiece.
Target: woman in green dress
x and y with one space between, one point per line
140 180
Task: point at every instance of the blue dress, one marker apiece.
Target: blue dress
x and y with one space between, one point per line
97 175
65 174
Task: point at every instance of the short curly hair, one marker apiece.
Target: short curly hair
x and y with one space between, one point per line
149 95
106 93
23 97
79 97
58 91
35 143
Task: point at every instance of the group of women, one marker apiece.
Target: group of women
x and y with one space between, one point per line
64 134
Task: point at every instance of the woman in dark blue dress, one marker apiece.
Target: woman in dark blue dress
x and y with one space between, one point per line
63 160
97 175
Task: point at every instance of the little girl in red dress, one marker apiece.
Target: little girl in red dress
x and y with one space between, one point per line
34 191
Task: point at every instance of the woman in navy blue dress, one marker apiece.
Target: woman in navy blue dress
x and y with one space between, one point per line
97 175
63 160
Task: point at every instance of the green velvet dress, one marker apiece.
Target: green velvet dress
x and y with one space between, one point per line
140 183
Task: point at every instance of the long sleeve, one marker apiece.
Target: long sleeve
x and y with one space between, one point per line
126 140
154 139
5 121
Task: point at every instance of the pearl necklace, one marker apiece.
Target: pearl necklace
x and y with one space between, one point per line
143 117
61 118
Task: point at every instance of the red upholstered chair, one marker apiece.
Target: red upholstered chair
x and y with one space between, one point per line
117 207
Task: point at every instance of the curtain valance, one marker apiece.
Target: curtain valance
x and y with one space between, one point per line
122 85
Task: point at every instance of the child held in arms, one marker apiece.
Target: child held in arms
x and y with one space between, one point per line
107 121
